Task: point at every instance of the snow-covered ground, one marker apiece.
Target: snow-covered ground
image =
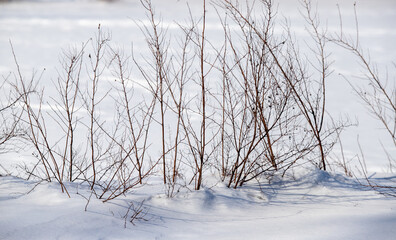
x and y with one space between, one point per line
311 204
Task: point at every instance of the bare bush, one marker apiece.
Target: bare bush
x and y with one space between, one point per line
200 133
274 98
37 135
130 163
258 111
167 82
248 107
65 108
112 157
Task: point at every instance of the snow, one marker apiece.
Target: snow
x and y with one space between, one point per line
308 204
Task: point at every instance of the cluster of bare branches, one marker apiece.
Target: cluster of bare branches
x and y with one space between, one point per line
274 98
245 108
10 117
259 114
172 73
242 109
85 147
378 95
267 112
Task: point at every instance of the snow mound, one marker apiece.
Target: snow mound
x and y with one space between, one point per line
311 205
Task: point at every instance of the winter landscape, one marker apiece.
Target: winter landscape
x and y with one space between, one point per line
193 119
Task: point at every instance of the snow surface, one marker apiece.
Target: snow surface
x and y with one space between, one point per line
308 205
311 205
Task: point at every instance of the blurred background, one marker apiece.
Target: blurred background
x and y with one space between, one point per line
41 29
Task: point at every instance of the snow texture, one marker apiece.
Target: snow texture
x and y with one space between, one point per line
311 205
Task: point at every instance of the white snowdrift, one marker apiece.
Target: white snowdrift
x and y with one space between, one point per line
310 205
